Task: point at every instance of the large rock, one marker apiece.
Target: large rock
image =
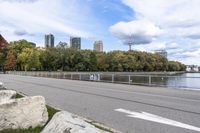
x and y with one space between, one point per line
6 95
1 86
23 113
65 122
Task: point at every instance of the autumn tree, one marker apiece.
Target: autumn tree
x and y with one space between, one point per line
10 63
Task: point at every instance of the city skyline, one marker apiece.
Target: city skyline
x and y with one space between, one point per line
173 26
49 41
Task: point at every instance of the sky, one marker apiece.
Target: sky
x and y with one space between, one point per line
173 25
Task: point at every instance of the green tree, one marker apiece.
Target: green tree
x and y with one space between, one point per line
19 46
101 62
29 59
67 59
176 66
93 61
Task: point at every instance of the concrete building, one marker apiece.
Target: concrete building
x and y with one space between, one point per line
3 42
49 41
75 42
98 46
162 53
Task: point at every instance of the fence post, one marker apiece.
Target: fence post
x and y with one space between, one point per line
99 77
149 80
71 76
79 76
176 82
113 78
129 79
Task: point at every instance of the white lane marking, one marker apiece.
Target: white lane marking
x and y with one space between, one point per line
158 119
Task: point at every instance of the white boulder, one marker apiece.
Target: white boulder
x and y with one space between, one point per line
1 86
23 113
65 122
6 95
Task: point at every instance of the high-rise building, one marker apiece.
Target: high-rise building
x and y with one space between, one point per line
98 46
75 42
163 53
49 41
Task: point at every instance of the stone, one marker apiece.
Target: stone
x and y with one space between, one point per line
65 122
6 95
1 86
23 113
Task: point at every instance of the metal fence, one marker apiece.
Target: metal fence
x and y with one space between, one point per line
148 80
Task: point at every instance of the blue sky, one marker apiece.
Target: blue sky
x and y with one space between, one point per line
173 25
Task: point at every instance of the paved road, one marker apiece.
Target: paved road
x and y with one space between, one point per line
130 109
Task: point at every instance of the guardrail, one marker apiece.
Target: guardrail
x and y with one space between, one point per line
148 80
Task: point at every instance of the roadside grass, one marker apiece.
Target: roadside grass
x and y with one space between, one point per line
51 111
18 96
30 130
99 126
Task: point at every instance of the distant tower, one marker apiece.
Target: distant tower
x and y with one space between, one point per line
98 46
75 42
130 45
49 41
129 41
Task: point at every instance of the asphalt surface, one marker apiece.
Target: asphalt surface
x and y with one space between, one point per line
99 101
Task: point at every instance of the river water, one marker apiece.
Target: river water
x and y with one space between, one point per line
187 80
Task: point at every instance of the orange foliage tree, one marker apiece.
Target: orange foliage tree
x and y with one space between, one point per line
10 63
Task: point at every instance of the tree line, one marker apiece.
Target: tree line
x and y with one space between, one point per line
23 56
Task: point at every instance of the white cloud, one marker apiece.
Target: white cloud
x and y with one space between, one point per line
140 31
159 46
178 19
171 46
44 16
